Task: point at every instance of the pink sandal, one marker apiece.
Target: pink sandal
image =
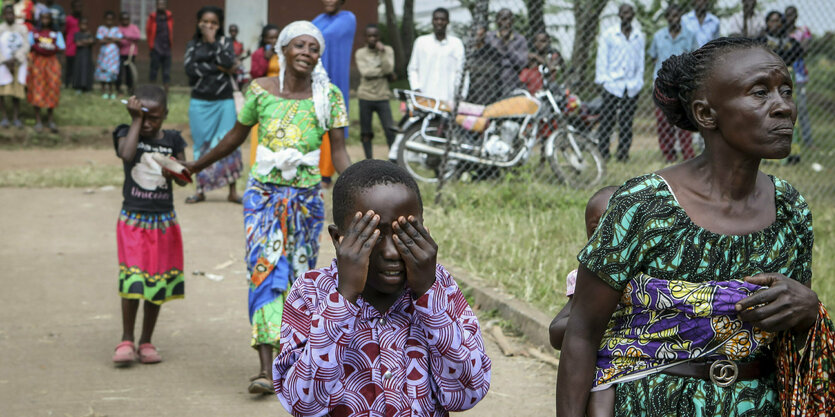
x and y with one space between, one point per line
148 354
125 353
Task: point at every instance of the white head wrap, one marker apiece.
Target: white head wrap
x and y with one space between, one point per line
320 80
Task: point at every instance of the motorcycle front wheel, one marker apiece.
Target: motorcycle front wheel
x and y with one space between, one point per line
422 166
574 158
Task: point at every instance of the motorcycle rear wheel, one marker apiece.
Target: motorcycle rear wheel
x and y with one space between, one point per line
575 160
422 166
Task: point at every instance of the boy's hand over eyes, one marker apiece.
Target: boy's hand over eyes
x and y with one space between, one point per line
419 253
353 251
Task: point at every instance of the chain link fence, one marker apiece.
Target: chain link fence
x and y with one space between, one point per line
536 103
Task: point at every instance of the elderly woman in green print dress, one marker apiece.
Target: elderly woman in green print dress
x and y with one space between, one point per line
709 261
283 206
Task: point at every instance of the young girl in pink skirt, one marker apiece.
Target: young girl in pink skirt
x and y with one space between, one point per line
148 235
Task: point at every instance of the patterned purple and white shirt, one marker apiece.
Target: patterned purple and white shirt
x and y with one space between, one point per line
422 357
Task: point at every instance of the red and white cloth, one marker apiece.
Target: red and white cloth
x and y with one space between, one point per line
422 357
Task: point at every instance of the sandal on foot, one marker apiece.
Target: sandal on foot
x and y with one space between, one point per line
18 124
125 353
194 199
260 384
4 123
236 200
38 127
148 354
52 127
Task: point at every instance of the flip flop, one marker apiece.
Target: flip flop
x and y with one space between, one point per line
125 353
238 200
194 199
148 354
260 385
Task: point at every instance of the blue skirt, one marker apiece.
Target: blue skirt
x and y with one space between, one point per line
282 226
210 120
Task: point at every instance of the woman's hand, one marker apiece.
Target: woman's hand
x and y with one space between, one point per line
191 169
209 33
353 252
418 251
785 304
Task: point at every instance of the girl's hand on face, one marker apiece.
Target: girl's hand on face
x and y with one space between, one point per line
209 32
134 108
785 304
353 251
418 251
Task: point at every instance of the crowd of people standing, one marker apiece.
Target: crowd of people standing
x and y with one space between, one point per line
385 320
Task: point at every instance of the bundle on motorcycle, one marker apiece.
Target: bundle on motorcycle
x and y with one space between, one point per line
491 138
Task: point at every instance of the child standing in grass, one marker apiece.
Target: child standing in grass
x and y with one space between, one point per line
14 52
107 66
82 74
44 76
147 234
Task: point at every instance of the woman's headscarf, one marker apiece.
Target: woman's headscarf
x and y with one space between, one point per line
321 82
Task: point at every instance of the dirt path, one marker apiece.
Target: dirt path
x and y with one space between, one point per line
60 318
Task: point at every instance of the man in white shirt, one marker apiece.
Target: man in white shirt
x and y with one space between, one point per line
701 22
747 22
620 71
437 60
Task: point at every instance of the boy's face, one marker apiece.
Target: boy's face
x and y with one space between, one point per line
233 31
82 25
8 15
152 120
162 4
541 42
124 19
372 36
386 269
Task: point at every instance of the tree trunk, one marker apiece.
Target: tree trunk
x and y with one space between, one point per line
396 42
536 16
407 28
586 22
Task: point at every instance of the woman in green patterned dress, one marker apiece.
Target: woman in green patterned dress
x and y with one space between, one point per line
283 205
710 223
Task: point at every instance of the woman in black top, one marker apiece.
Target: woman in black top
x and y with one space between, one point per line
209 63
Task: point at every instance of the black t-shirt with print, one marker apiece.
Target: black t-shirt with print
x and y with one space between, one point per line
145 189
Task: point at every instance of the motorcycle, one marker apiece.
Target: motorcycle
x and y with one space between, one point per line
504 134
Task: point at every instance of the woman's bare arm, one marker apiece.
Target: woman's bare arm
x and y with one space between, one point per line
339 155
233 139
592 306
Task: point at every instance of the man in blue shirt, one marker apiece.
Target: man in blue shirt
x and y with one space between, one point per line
671 40
619 69
701 22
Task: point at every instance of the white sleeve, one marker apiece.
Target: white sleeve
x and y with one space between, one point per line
414 64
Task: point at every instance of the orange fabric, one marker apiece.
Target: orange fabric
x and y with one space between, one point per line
326 167
44 81
512 106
